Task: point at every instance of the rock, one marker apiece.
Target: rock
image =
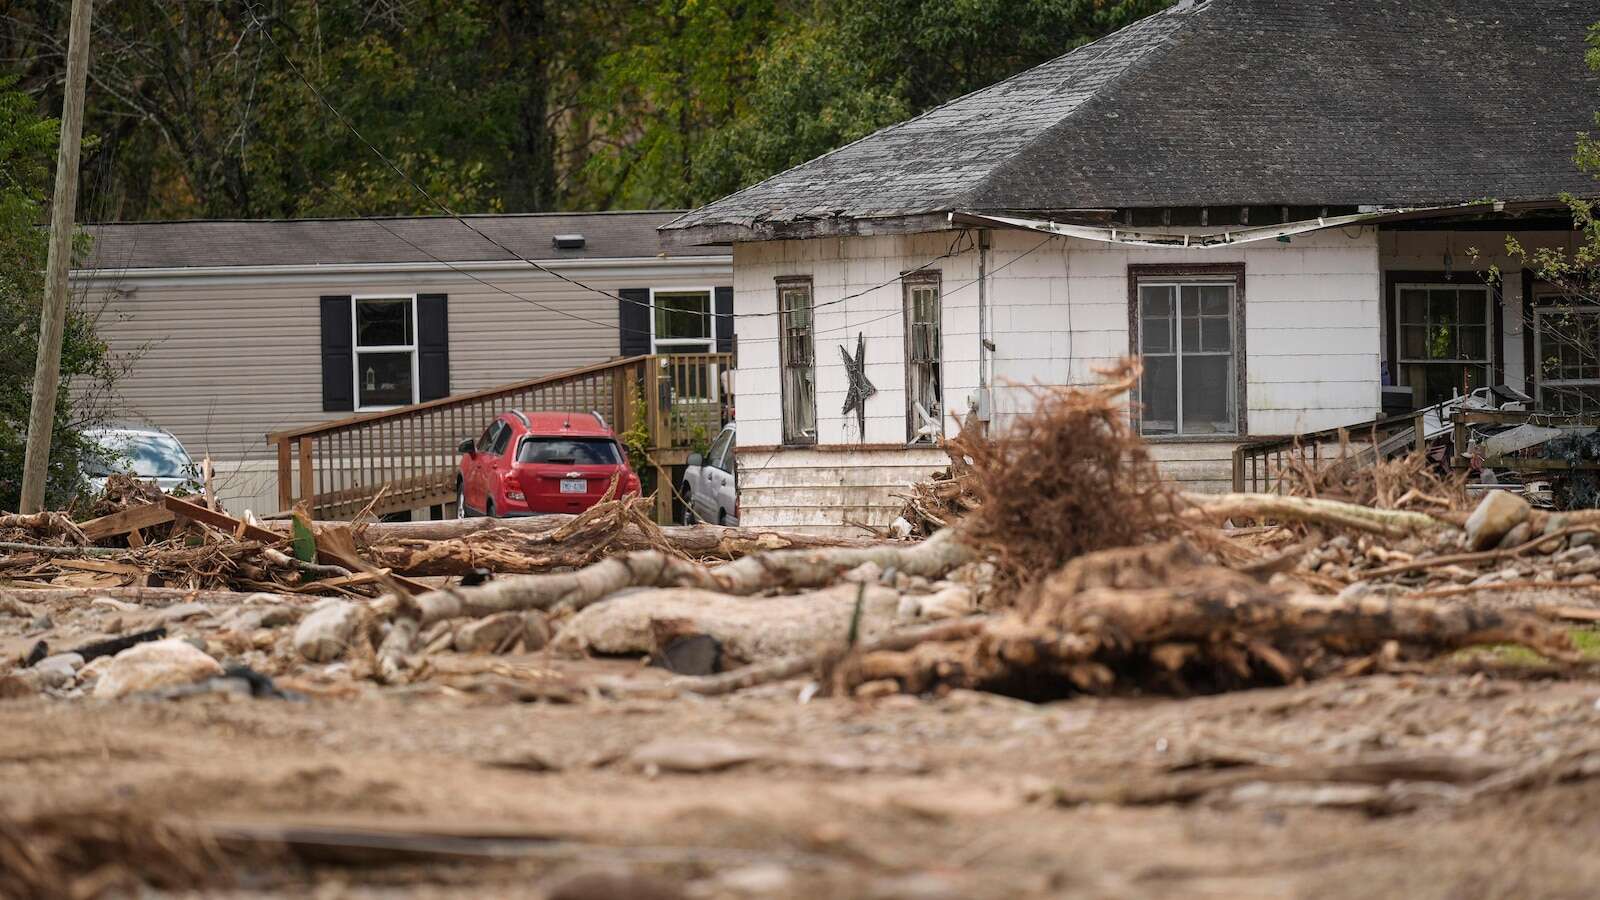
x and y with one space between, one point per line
58 671
96 667
1497 513
1516 537
20 684
279 616
761 880
43 623
1582 539
610 885
180 611
867 573
324 635
158 664
536 632
693 654
489 633
694 755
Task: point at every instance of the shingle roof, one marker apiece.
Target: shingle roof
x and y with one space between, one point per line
308 242
1224 102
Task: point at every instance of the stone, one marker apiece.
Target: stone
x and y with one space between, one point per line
20 684
694 755
536 631
1516 537
1582 539
279 616
692 654
489 633
154 665
180 611
325 634
43 623
59 670
1497 513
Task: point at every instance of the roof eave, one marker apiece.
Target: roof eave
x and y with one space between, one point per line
727 232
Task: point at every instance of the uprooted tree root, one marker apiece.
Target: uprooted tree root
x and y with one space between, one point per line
1357 475
1070 478
1160 619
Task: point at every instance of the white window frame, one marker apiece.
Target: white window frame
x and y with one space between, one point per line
667 345
1547 302
1177 283
785 398
1402 360
356 349
911 283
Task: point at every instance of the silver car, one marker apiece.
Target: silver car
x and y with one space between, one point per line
710 486
149 454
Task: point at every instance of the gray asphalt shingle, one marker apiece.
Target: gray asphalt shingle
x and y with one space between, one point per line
1222 102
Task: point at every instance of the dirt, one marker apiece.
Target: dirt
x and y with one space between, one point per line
894 797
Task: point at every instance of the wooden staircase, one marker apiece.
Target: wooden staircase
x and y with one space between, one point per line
406 458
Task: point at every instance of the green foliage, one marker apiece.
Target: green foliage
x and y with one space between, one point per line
508 105
27 151
636 439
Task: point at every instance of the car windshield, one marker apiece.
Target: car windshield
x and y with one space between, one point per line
569 451
147 455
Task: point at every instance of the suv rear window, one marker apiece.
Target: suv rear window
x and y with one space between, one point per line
569 451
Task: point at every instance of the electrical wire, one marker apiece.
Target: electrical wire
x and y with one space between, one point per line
431 199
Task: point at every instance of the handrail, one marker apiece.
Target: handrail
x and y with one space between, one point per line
453 399
407 458
1250 472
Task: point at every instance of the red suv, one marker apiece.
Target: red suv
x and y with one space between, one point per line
544 462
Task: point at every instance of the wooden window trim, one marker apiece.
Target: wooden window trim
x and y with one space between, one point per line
779 283
1156 271
356 349
1394 278
909 282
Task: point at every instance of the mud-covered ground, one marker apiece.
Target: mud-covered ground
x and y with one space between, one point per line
440 791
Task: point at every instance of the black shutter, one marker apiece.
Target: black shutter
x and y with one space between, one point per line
338 366
433 347
633 315
724 320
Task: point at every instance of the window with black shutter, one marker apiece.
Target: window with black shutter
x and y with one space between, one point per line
383 351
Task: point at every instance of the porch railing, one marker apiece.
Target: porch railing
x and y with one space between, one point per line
1259 465
406 457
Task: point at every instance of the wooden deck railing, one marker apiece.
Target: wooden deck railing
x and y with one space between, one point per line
409 453
1258 466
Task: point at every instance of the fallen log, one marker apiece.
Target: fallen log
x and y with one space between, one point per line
147 596
653 568
1389 522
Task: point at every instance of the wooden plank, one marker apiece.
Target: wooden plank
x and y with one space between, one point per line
100 565
130 519
308 485
285 474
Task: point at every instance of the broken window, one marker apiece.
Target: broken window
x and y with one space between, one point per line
1567 346
385 351
924 397
797 361
1186 335
1444 340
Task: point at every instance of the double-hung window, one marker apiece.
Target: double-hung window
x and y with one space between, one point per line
924 394
1187 331
385 331
1444 340
1566 342
797 360
684 324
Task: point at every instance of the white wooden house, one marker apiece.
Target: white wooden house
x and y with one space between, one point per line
1273 202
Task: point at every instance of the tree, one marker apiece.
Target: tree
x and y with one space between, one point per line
27 150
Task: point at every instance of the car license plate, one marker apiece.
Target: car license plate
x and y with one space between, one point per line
574 486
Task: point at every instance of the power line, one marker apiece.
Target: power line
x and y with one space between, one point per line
427 195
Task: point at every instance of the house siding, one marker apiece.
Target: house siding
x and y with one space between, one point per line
1057 312
222 360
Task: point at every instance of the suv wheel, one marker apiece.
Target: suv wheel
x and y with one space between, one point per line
689 518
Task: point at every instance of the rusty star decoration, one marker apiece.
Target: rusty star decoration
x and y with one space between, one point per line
860 387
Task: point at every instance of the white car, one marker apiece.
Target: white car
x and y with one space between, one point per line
710 486
149 454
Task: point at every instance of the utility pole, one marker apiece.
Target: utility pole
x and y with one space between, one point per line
53 317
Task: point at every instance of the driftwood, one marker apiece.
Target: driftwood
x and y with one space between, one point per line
1388 522
545 543
653 568
794 666
146 596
